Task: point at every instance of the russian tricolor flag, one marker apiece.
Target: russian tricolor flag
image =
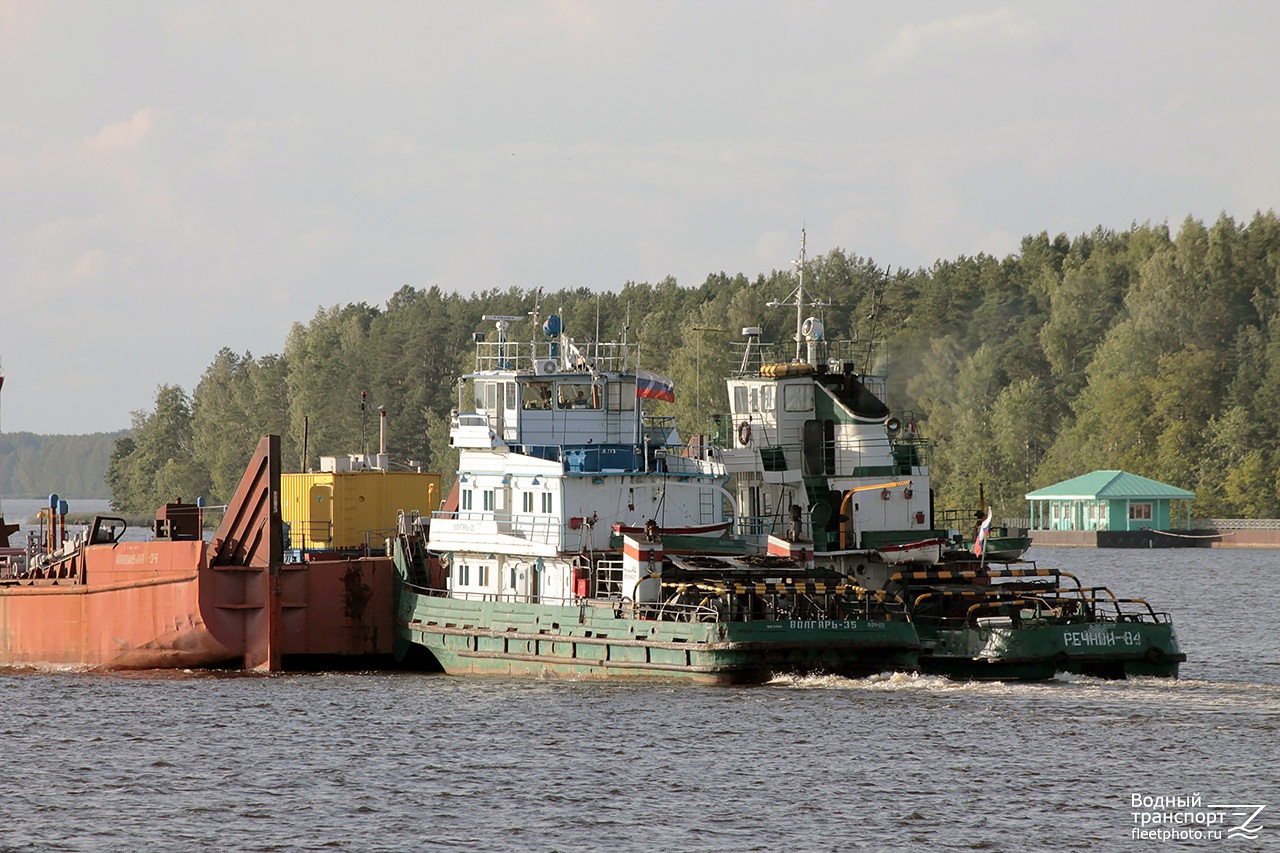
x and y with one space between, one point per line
980 541
655 386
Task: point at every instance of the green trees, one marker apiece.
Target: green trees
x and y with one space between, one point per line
34 466
237 401
156 463
1154 352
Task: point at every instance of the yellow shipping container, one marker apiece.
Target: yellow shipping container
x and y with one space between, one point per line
344 511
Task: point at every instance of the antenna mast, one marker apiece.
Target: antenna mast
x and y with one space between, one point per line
799 303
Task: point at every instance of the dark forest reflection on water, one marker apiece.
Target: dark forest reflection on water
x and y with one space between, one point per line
392 761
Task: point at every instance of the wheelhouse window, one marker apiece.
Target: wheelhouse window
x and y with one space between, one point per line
528 501
537 395
621 396
467 498
798 397
768 397
578 395
755 398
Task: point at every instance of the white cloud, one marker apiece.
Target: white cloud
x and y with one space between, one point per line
211 173
125 136
949 39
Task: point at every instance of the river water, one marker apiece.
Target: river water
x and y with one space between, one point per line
402 761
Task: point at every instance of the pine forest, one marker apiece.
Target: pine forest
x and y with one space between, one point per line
1151 350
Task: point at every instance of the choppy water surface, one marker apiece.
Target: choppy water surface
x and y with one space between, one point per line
182 761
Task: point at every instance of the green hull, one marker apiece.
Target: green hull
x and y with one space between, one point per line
1120 649
595 640
1037 652
986 654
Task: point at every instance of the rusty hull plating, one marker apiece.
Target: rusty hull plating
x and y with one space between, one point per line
178 602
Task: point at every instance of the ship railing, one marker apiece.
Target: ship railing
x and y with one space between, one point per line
754 608
620 606
304 535
376 540
661 611
1235 524
1087 605
1102 605
543 529
753 525
56 568
608 578
527 356
1128 610
788 602
965 523
683 459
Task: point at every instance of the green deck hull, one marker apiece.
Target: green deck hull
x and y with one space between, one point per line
1037 652
597 641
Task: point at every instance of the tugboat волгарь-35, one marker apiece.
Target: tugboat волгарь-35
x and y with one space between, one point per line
584 540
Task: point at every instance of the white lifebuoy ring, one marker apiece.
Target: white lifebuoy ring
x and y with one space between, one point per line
744 433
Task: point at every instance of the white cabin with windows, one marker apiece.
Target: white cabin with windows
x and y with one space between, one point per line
557 461
814 435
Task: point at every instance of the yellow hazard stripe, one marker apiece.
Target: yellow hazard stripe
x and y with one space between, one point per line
946 575
785 588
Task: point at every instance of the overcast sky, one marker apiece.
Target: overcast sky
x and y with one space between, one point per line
178 177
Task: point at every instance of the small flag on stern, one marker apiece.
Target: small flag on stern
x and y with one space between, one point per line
984 530
655 386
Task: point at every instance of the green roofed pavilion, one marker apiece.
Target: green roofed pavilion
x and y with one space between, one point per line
1110 500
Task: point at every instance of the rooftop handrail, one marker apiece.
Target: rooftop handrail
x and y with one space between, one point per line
523 356
544 529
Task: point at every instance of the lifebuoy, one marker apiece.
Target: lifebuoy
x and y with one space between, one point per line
744 432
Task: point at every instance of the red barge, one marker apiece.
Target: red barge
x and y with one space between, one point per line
176 601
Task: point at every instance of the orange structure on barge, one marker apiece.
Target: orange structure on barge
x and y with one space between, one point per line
178 602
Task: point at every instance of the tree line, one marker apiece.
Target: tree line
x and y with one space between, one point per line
1139 349
35 466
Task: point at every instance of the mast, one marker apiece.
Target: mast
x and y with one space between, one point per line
800 292
799 303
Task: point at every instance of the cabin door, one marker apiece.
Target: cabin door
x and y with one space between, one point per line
509 427
317 524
